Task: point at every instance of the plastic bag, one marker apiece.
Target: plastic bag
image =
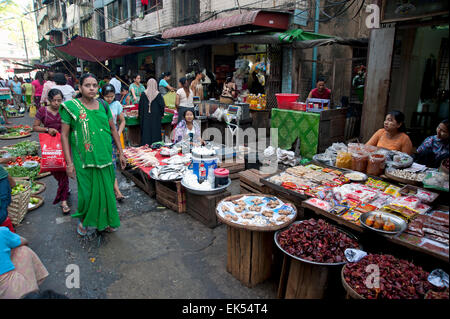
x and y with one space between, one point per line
52 153
32 110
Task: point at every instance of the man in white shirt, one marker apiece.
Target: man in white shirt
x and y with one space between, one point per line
117 85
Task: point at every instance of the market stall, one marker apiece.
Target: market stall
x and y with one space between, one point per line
348 197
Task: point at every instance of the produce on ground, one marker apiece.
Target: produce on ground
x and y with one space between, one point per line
23 149
19 188
20 171
317 241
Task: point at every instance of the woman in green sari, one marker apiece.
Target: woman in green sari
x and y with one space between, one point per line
87 127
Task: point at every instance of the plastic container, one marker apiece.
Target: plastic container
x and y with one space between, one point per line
284 100
344 160
370 148
298 106
359 162
355 147
221 176
376 164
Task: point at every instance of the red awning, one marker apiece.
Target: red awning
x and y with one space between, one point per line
93 50
259 18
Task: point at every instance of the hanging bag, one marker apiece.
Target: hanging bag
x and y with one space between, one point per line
52 153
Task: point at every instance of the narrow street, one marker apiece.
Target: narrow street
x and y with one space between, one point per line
156 253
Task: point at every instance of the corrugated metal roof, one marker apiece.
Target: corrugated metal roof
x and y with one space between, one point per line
275 20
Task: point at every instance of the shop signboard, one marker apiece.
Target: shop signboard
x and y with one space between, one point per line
412 9
251 48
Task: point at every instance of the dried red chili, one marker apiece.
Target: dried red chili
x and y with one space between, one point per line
398 278
317 241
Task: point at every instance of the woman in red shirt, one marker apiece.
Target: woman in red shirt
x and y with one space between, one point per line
38 85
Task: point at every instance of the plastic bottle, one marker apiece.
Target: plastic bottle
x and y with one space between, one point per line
211 177
202 173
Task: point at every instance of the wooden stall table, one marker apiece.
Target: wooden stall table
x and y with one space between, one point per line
412 243
133 131
203 207
303 279
141 179
250 249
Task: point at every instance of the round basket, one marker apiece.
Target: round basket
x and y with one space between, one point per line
402 180
351 293
41 190
19 204
41 202
14 137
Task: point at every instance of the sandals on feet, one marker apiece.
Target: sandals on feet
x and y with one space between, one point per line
81 230
65 209
110 229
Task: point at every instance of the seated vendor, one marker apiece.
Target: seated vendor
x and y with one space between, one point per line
434 149
321 91
188 129
392 136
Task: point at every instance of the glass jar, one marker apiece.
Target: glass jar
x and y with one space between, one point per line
359 162
376 164
344 160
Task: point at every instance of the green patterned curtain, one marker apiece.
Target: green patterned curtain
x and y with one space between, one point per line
292 125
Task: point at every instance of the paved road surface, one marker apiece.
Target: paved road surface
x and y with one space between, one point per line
156 253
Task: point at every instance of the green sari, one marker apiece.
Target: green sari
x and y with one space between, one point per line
90 140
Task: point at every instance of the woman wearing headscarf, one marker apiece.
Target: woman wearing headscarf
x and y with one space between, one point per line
151 111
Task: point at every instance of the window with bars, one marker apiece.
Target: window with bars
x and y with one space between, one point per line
188 12
443 64
152 6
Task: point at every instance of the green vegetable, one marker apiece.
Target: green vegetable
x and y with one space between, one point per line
23 149
20 171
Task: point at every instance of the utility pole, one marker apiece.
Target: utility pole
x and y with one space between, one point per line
25 45
81 31
24 42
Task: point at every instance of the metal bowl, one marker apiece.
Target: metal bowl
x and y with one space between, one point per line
400 223
206 192
359 180
309 261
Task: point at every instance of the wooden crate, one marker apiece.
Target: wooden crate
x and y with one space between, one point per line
249 255
238 165
141 179
172 195
203 208
250 182
300 280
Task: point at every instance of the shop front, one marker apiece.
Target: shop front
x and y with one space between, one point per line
408 69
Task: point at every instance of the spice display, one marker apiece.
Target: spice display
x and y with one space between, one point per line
399 279
400 173
359 162
317 241
376 164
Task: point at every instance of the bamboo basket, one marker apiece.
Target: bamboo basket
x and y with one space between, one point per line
19 204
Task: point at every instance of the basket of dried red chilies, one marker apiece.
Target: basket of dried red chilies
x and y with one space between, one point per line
385 277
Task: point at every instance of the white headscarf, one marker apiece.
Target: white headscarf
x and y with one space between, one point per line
151 92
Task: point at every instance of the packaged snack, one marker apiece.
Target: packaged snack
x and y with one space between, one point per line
371 182
422 208
382 200
365 208
350 202
351 216
407 201
393 191
426 196
338 210
381 185
316 202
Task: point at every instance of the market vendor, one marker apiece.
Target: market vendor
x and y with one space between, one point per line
196 84
434 149
188 129
163 85
185 98
392 136
321 91
229 91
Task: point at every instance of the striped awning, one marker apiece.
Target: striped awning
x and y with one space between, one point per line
258 19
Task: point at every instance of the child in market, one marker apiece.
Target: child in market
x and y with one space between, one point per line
6 183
